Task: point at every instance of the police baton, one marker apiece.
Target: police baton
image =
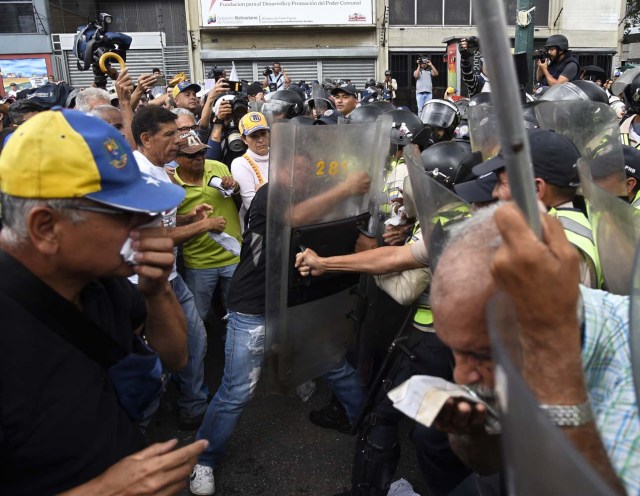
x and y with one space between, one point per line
505 97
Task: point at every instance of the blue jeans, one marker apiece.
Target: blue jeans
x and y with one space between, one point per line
203 282
244 355
193 391
422 98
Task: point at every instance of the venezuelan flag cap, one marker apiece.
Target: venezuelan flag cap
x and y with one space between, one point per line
69 154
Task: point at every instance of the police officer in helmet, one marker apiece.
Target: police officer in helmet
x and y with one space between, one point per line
560 66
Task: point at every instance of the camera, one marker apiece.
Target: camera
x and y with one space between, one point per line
267 71
215 73
239 107
94 40
541 54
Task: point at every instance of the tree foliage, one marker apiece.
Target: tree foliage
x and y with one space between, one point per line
632 16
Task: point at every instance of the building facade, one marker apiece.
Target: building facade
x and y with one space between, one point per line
312 39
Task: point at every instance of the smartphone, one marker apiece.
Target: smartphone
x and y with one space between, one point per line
161 81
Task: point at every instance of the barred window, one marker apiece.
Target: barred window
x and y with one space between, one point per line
17 17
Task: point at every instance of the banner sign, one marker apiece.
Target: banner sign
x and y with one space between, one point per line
286 12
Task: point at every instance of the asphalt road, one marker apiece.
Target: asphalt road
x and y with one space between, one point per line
275 450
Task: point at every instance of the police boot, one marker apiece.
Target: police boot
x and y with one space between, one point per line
376 460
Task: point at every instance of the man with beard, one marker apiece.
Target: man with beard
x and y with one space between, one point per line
561 66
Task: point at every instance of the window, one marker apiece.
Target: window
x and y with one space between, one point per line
452 12
17 17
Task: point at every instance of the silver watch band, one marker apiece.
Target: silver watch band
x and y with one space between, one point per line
569 415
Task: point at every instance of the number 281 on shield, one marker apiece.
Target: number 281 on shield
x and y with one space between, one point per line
332 168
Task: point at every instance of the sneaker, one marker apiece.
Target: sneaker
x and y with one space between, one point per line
331 416
201 480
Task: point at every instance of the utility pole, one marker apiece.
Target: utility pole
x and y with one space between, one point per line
525 24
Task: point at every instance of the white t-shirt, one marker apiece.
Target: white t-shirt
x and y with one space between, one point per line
169 216
247 179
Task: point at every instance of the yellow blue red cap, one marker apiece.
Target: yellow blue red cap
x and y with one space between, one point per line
252 122
69 154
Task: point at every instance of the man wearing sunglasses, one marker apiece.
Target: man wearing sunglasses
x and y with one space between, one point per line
75 204
208 261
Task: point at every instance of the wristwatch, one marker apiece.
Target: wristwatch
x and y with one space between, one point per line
569 415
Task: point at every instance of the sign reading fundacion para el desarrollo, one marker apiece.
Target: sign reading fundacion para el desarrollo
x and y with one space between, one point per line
286 12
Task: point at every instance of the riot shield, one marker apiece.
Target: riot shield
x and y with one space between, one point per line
593 128
616 230
634 320
323 182
483 123
624 80
538 457
563 92
438 208
320 98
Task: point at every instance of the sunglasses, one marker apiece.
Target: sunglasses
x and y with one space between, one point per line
192 155
188 128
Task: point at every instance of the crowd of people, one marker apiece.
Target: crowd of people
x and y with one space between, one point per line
124 212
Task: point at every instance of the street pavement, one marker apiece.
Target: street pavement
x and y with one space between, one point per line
275 449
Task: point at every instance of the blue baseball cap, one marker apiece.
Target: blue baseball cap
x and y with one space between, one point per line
68 154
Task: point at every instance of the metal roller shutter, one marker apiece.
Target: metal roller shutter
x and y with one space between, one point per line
358 70
176 60
138 62
244 68
297 70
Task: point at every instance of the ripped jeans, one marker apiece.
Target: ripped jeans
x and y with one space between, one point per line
244 353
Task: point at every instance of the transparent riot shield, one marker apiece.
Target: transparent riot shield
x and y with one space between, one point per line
483 124
616 229
634 320
320 98
322 185
538 457
593 128
567 91
624 80
438 208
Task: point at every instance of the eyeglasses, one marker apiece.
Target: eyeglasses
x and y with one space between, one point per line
188 128
192 155
134 218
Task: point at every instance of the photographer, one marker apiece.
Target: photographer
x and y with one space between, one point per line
424 84
556 64
390 84
276 76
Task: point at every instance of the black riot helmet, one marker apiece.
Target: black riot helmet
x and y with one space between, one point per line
450 162
384 105
557 40
407 127
440 115
529 115
365 113
284 103
463 105
576 90
631 95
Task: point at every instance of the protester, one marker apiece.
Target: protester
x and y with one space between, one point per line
424 74
69 313
208 262
89 98
588 378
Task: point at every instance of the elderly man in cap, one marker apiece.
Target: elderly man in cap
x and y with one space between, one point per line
208 259
73 326
554 159
345 98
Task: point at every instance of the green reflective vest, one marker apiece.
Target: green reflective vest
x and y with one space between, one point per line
636 201
577 228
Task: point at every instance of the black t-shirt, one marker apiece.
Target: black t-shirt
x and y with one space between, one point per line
60 421
248 285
